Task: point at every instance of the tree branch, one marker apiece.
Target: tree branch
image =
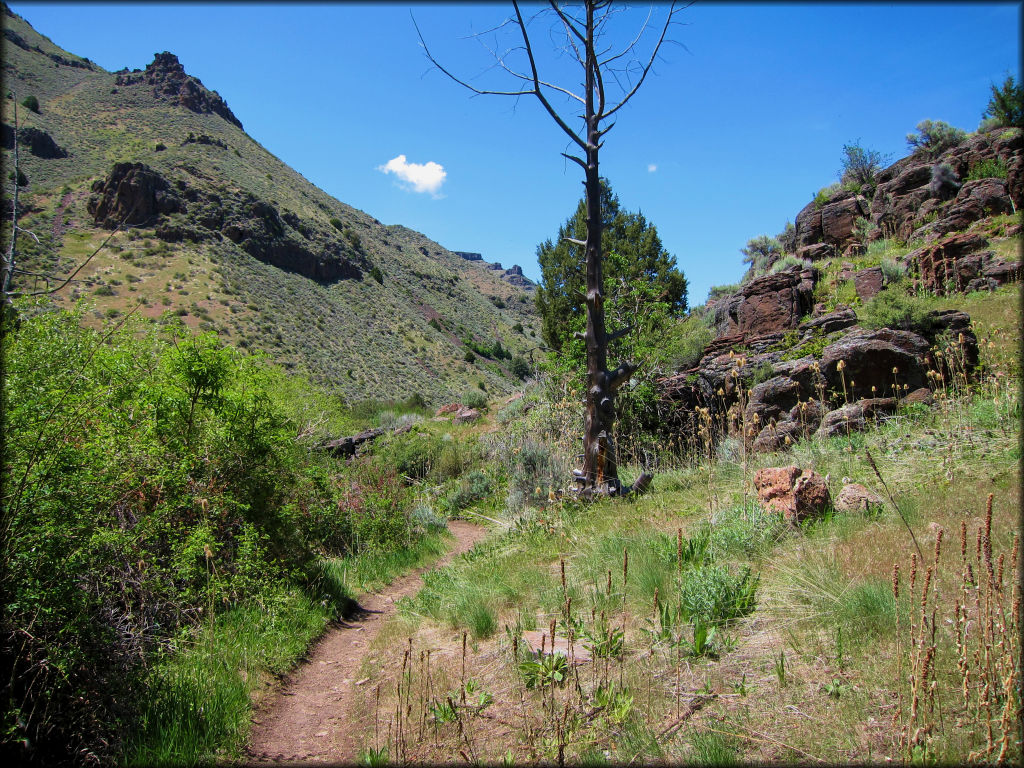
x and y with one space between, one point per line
654 55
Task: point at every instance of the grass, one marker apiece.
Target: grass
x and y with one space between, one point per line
808 670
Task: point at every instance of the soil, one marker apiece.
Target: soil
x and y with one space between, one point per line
314 717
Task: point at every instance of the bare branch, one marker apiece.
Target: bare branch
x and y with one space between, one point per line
568 22
574 241
650 63
575 159
82 265
619 333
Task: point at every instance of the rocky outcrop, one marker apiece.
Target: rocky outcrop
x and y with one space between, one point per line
40 143
131 195
171 83
955 262
135 195
772 303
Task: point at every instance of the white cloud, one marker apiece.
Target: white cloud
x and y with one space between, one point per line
420 177
652 167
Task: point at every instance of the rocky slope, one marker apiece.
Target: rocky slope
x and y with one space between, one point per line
216 230
786 363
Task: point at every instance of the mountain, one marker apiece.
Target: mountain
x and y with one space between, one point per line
216 230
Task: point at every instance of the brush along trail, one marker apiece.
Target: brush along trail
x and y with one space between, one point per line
314 716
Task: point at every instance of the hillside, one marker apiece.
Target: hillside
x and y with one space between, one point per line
221 233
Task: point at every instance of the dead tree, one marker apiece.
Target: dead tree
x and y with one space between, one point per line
583 30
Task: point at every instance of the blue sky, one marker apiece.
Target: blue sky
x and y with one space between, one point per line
742 121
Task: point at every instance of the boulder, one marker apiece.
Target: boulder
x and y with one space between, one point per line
869 357
868 282
808 225
815 251
855 497
838 218
776 437
837 320
921 395
771 399
842 421
465 415
772 303
798 494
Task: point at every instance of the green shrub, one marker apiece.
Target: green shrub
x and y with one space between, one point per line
893 271
933 138
895 308
859 165
336 223
474 399
473 487
788 261
825 194
989 168
718 291
31 102
1006 106
376 274
519 367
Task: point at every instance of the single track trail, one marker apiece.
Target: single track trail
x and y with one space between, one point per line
313 718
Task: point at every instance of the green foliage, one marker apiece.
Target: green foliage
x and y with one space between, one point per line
989 168
634 258
376 274
860 165
788 261
353 239
760 253
684 342
896 308
543 670
787 238
716 595
469 357
1006 106
31 102
519 367
933 138
158 474
474 399
718 291
825 194
336 223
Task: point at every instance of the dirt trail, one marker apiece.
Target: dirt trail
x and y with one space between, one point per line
313 718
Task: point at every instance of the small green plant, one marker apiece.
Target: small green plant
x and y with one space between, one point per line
825 194
30 102
860 165
543 670
989 168
336 223
1006 107
376 274
780 668
702 642
617 704
604 641
474 399
373 758
835 688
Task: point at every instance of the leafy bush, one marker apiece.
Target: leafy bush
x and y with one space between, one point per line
473 487
425 518
158 475
895 308
933 138
760 253
859 165
31 102
989 168
685 341
826 193
716 292
469 357
893 271
474 399
714 594
336 223
412 455
789 261
519 367
376 274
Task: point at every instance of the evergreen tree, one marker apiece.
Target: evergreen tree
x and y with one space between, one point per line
634 258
